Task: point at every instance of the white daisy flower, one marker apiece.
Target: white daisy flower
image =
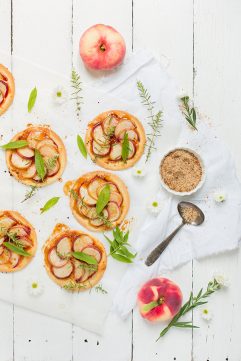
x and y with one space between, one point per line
221 278
35 287
154 207
60 95
219 196
139 172
206 314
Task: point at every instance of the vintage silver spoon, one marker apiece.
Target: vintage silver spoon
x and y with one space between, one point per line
190 214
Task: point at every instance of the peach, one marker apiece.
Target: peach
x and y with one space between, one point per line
159 300
102 47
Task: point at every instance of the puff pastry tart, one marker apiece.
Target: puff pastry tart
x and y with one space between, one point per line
7 89
105 136
84 193
21 161
73 259
18 241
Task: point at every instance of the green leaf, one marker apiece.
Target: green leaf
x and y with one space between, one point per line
32 99
121 258
103 198
81 146
84 257
149 306
126 253
125 148
15 145
16 249
39 164
49 204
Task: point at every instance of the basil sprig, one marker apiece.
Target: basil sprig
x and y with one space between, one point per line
118 246
39 164
32 99
81 146
16 249
15 145
125 148
103 199
49 204
84 257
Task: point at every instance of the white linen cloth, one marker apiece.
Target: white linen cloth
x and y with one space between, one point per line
221 230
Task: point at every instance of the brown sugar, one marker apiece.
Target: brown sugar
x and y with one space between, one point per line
181 170
189 214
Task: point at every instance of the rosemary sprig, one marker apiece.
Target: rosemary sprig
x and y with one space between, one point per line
192 303
75 95
155 119
30 193
189 113
50 163
72 286
100 289
118 246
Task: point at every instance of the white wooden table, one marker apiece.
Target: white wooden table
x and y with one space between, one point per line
199 42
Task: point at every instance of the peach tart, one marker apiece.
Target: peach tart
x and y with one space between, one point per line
7 89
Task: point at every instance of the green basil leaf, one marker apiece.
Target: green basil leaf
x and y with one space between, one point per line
15 145
81 146
103 198
84 257
49 204
127 253
39 164
125 148
16 249
32 99
121 258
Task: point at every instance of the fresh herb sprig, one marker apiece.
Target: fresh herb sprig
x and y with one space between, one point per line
189 112
39 164
81 146
118 246
50 163
125 148
49 204
32 99
155 119
73 286
192 303
100 289
103 199
13 243
75 95
30 193
15 145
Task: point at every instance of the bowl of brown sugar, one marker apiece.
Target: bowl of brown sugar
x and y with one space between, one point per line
182 171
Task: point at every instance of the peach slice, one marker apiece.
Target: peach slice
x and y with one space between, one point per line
19 162
84 194
6 223
81 242
98 221
1 98
64 271
55 260
89 212
113 211
99 135
5 256
132 149
93 187
3 88
48 151
25 152
116 197
116 151
14 259
132 135
20 230
109 124
78 270
30 172
113 187
2 240
25 242
87 274
94 252
64 247
123 126
1 250
100 150
159 299
54 170
34 137
46 141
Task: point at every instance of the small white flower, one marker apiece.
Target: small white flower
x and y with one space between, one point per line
154 207
206 314
35 287
219 196
60 95
139 172
221 278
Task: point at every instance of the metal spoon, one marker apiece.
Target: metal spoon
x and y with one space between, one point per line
183 209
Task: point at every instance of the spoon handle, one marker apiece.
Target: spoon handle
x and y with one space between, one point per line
155 254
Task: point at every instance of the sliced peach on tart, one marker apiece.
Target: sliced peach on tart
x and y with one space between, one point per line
36 156
98 200
115 140
7 89
18 241
80 264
